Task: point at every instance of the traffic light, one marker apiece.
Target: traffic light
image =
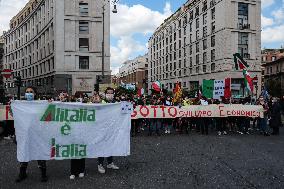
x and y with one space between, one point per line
18 81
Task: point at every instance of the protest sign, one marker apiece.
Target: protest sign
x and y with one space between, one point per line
57 131
222 110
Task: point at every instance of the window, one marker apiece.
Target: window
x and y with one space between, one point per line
84 9
197 23
243 45
204 19
204 57
83 62
213 55
197 59
213 41
242 15
213 15
212 67
204 68
204 44
84 44
197 70
83 27
213 27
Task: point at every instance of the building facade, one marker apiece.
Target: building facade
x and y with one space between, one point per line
57 45
135 72
198 41
270 55
2 86
274 76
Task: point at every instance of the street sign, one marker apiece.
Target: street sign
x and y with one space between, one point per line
7 73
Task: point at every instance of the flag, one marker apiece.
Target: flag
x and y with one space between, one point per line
240 63
248 80
156 86
140 92
208 88
217 88
177 93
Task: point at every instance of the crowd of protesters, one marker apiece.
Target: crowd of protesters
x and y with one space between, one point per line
268 125
271 121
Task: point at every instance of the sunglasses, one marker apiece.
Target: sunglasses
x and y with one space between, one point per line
29 92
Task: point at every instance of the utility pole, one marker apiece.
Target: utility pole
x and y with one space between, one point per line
18 83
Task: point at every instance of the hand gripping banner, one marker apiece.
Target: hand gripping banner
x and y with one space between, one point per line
57 131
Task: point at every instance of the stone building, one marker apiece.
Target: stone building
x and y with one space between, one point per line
57 45
198 41
2 86
274 76
134 72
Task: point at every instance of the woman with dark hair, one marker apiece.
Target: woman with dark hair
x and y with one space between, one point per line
30 94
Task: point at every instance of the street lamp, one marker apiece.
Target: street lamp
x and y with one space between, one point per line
114 2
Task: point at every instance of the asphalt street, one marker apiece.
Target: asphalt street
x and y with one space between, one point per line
174 161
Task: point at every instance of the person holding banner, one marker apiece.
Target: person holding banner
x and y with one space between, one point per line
109 98
30 94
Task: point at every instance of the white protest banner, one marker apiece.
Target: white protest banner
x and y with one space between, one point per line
57 131
222 110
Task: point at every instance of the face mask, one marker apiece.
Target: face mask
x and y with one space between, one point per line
109 96
29 96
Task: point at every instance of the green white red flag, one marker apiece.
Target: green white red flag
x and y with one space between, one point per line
248 80
157 86
240 63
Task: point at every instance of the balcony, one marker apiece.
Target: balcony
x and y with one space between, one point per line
243 26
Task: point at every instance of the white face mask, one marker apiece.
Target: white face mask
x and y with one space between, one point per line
109 96
29 96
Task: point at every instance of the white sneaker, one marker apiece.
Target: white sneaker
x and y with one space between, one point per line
169 131
240 132
81 175
112 166
7 138
72 177
101 169
219 133
166 131
225 133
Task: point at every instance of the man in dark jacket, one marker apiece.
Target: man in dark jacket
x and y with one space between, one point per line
275 113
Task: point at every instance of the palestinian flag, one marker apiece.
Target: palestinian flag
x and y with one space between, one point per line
217 88
156 86
248 80
240 63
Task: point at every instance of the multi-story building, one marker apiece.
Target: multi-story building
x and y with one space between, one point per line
198 41
135 72
2 86
270 55
274 76
57 45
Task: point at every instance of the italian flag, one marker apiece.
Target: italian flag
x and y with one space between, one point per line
156 86
248 80
240 63
217 88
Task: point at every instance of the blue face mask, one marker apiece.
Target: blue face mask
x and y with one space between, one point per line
29 96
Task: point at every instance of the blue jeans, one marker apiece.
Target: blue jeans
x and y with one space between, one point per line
263 124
